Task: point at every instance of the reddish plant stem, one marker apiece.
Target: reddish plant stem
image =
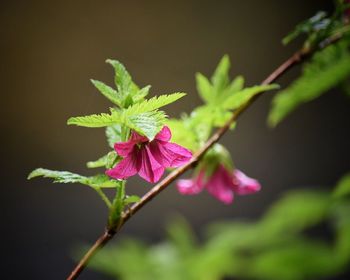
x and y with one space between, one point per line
109 233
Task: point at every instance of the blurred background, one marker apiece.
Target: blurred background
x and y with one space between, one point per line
50 50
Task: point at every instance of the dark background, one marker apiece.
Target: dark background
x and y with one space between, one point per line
50 50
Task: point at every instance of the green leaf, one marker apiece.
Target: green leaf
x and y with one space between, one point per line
204 88
101 162
182 236
220 78
183 134
299 259
96 120
153 103
101 181
65 177
58 176
113 134
131 199
108 92
241 97
122 77
141 94
296 211
147 124
327 68
317 22
343 187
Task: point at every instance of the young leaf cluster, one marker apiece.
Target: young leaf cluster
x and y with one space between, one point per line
221 96
131 109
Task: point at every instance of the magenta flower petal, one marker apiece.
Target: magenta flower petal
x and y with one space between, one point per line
124 148
150 169
191 186
170 154
242 184
137 138
220 185
127 167
164 134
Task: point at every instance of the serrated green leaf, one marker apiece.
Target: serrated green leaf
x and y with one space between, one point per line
241 97
65 177
58 176
147 124
327 68
122 77
107 161
343 187
108 92
153 103
204 88
101 181
131 199
101 162
96 120
113 134
141 94
220 78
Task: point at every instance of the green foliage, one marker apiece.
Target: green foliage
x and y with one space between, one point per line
131 199
100 180
154 103
113 135
97 120
108 92
148 123
122 79
276 247
310 26
343 187
241 97
107 161
221 96
320 27
58 176
327 68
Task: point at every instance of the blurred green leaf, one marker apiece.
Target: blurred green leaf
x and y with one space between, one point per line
299 259
131 199
343 187
181 235
327 68
241 97
296 211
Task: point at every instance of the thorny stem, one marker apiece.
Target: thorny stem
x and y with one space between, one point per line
109 233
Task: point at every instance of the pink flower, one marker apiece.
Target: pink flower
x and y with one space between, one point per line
221 184
148 158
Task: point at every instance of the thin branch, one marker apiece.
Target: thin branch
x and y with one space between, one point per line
128 213
100 242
